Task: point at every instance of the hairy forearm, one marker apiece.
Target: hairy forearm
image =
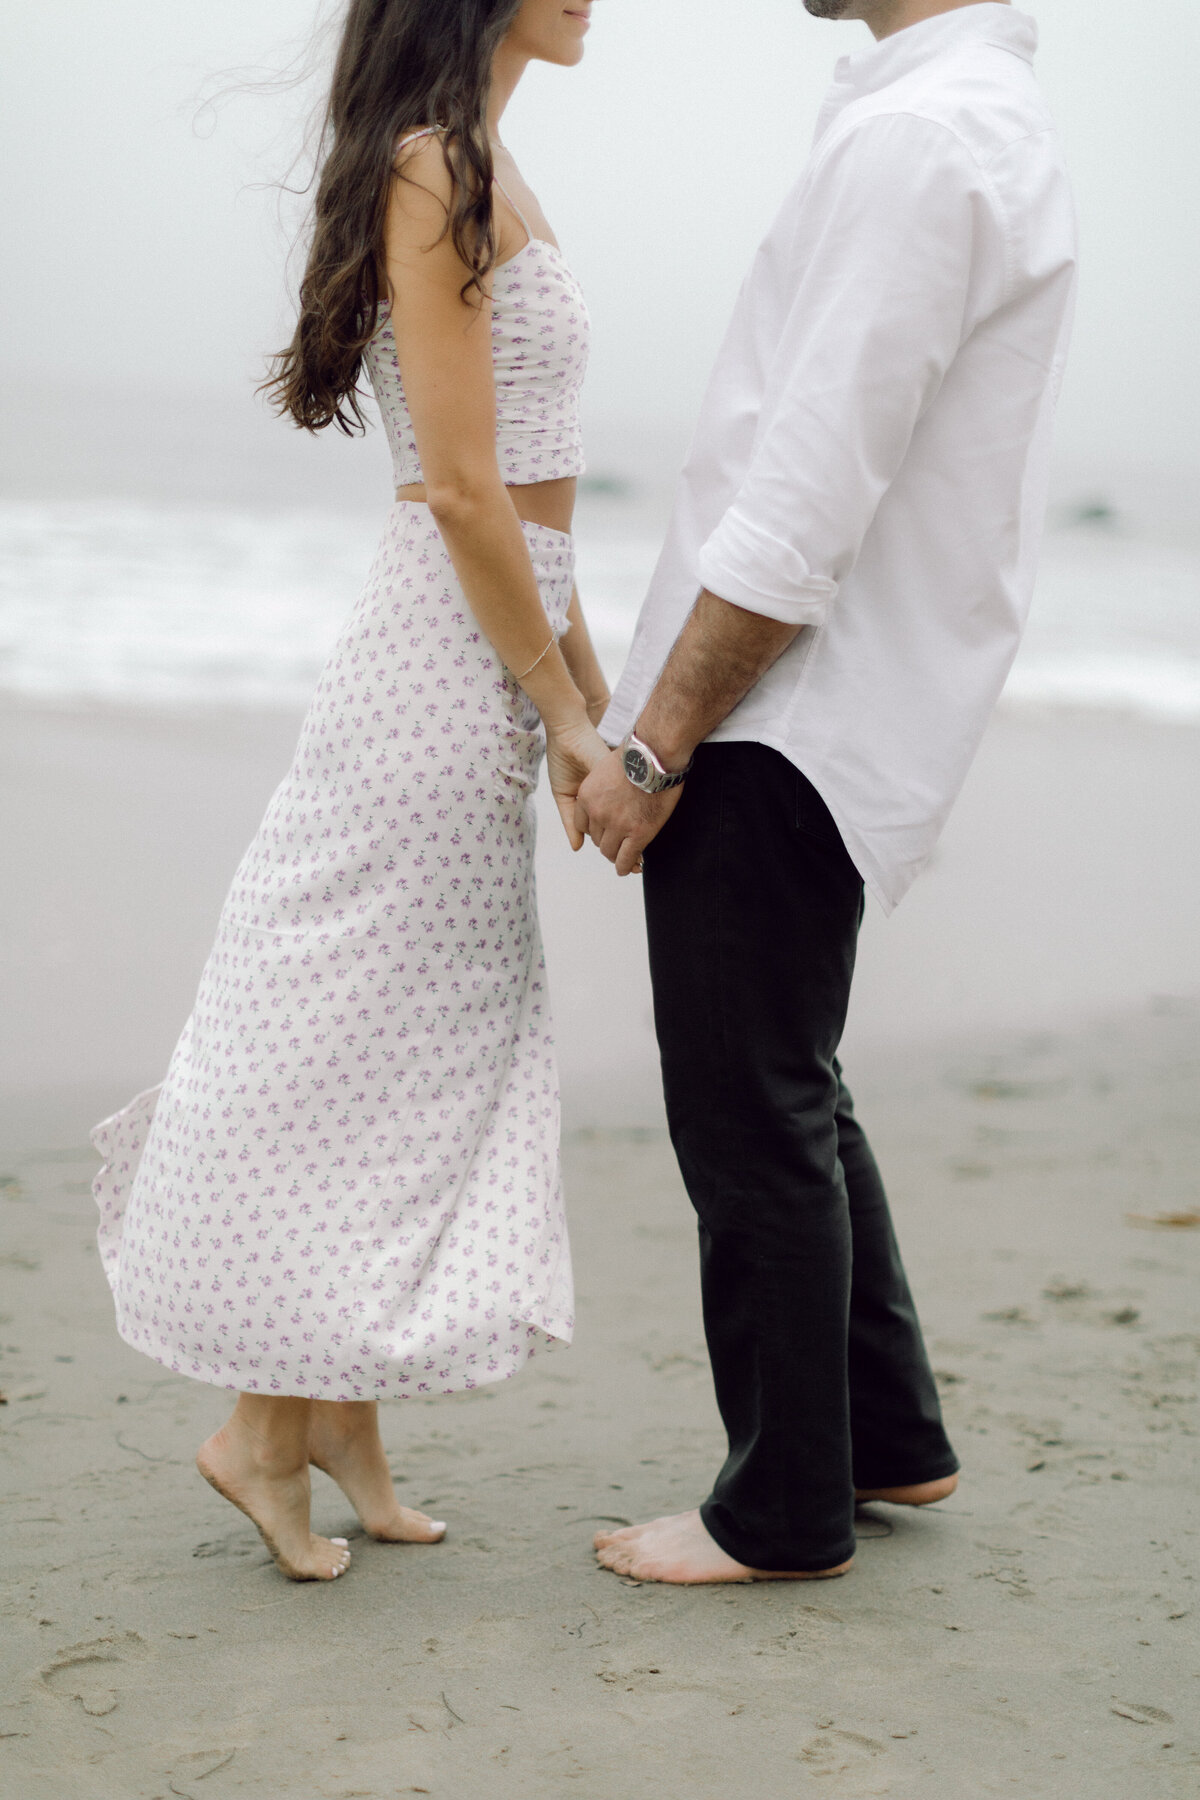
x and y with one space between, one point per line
718 657
491 559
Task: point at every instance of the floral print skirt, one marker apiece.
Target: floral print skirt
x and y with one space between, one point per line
348 1184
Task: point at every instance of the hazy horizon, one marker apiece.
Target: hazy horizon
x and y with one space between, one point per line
152 247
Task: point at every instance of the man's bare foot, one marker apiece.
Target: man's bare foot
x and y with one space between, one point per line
263 1479
920 1493
679 1549
344 1441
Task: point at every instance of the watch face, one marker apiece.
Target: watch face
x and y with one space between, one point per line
636 767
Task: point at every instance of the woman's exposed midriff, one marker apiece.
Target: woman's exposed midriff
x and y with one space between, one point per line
549 503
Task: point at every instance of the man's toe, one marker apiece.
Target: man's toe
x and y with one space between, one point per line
621 1535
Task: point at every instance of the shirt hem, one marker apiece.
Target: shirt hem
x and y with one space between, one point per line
873 877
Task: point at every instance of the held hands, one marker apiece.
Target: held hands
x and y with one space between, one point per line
572 752
594 796
619 818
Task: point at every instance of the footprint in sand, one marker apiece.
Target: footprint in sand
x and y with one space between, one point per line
1142 1714
836 1752
85 1672
194 1766
238 1543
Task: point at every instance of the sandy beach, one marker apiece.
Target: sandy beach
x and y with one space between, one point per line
1063 890
1023 1045
1025 1050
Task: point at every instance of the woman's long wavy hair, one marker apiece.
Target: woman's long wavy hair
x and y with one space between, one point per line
401 65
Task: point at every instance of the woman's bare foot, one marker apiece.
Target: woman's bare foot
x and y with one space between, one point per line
920 1493
259 1462
344 1441
679 1549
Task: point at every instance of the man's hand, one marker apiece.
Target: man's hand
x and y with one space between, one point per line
619 818
718 656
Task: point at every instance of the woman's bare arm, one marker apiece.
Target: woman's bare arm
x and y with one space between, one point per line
580 655
444 346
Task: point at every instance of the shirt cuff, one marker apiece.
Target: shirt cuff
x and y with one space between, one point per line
748 567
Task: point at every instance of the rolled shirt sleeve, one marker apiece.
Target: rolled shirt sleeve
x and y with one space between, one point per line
887 281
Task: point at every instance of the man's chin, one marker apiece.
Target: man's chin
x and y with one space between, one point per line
828 9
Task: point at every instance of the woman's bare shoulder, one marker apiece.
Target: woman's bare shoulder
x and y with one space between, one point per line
420 198
420 161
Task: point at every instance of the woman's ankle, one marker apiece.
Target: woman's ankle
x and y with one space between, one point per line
270 1432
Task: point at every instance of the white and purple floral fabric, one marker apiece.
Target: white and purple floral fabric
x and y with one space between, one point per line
540 337
348 1184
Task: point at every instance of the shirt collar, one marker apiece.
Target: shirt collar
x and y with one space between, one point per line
986 21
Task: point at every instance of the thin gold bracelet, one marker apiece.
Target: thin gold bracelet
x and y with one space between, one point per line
537 659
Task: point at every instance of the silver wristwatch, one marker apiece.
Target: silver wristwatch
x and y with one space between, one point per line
643 768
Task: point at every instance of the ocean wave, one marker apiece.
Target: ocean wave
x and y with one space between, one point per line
146 605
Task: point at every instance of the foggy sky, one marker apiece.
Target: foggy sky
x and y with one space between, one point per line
139 252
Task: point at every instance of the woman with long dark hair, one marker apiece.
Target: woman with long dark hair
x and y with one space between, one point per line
347 1188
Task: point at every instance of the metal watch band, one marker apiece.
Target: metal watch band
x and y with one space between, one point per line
643 768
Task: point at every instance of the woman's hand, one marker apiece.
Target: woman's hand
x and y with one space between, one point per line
572 752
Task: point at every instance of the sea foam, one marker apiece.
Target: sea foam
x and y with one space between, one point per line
169 606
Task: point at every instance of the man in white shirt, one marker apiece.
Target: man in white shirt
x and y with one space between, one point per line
845 579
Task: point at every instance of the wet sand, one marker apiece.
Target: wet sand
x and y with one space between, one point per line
1036 1634
1063 889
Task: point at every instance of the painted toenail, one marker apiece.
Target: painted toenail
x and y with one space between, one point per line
339 1540
437 1524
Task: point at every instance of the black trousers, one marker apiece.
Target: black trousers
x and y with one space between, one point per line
753 909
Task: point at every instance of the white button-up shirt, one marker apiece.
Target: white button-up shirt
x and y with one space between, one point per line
870 461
